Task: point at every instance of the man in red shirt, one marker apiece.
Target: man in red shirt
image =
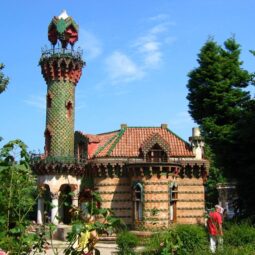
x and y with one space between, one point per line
214 224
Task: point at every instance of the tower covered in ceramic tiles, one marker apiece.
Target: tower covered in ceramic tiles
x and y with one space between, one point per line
61 69
59 173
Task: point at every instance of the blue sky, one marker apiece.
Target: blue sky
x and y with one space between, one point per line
138 54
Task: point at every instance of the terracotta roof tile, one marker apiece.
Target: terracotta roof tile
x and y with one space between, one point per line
99 142
127 142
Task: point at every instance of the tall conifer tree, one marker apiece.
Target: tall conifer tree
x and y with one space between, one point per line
224 110
216 96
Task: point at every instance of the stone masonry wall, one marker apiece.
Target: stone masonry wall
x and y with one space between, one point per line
116 194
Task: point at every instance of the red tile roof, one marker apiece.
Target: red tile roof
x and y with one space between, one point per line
127 142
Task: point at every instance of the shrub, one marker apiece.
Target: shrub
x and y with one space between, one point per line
126 242
181 240
239 235
239 239
193 239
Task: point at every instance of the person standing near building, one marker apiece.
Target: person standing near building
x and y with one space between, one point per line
214 224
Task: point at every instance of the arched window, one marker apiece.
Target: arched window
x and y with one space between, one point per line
138 201
69 108
156 154
47 142
173 193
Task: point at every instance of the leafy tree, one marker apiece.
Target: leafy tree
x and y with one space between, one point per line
3 80
16 198
215 177
244 153
222 107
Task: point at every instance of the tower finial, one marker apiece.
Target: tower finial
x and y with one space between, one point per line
64 29
63 15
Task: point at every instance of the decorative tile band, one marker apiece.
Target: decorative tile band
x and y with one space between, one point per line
190 208
119 208
191 200
156 219
158 210
190 184
156 183
117 200
112 184
114 192
156 201
190 216
156 192
190 192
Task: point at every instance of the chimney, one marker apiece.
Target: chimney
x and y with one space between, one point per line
164 126
122 126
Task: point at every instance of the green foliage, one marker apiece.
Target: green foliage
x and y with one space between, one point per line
16 198
181 240
215 177
239 239
216 97
224 109
3 80
242 234
95 222
193 238
126 242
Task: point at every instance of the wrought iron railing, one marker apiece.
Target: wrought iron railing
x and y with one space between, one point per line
60 52
37 158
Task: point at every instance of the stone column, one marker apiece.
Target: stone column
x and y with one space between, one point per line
75 201
40 210
54 210
75 197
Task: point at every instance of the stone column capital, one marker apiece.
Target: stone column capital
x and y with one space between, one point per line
54 195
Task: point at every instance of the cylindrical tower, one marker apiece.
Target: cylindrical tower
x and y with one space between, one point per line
61 69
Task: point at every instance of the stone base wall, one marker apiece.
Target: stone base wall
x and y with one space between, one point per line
191 201
116 194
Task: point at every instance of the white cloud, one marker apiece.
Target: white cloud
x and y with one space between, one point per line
148 51
158 29
37 101
159 17
121 68
90 44
150 45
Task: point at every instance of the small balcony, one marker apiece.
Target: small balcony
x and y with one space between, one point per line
42 158
60 53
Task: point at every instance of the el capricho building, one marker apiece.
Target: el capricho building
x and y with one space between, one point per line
148 176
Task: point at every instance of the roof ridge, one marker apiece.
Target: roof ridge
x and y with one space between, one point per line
143 127
108 142
118 130
170 131
120 134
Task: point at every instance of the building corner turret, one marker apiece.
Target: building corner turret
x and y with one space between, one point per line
197 143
